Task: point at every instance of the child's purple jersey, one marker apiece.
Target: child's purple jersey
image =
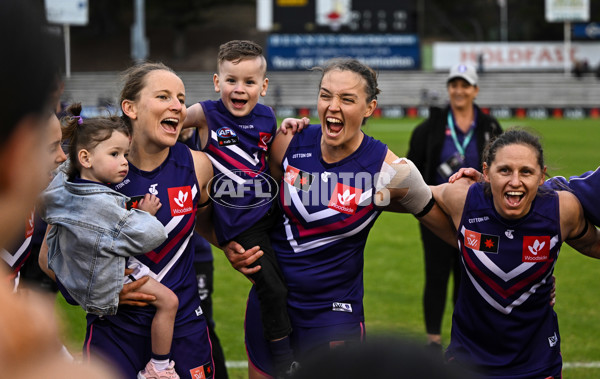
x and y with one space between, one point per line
237 148
174 183
503 322
328 211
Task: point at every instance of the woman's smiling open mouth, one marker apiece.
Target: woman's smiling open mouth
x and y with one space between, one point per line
513 198
334 126
170 124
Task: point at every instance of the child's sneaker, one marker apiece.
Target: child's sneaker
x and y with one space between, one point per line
150 372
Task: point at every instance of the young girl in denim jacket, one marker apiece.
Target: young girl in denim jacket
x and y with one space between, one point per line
94 230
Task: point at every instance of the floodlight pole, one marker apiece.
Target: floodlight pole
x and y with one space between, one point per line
139 42
503 20
67 39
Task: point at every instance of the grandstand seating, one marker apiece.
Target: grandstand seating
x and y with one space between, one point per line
398 88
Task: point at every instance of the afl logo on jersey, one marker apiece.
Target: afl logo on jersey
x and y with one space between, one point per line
180 200
226 136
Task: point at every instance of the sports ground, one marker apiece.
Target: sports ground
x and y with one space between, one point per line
394 271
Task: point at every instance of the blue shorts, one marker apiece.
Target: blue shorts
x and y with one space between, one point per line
129 352
305 341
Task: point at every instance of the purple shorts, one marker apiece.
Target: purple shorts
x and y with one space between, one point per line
129 352
305 340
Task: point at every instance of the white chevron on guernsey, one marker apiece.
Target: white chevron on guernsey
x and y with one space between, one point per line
9 258
252 159
506 276
226 171
323 241
169 227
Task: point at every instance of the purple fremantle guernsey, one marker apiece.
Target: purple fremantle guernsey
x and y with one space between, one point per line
327 214
585 187
174 183
503 322
15 255
237 149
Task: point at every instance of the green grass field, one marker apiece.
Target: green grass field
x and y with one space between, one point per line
394 264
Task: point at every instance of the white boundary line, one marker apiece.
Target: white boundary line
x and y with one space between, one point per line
236 364
568 365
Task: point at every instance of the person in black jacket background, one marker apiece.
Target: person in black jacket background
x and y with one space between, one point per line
450 138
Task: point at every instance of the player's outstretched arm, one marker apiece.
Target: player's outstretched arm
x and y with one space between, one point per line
195 117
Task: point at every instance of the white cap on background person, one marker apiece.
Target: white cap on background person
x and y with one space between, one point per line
464 71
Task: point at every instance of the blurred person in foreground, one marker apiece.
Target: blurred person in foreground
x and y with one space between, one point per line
379 357
450 138
29 345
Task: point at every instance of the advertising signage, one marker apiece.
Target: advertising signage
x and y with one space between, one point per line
587 31
380 51
306 33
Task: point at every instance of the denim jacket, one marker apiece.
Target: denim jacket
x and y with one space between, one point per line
92 235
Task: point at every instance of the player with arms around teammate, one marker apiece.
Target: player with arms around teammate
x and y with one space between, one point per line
92 231
331 196
236 133
510 232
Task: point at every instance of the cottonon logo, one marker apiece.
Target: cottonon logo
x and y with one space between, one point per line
536 248
249 189
180 200
345 198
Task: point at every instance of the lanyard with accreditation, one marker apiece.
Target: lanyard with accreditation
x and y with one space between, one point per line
460 148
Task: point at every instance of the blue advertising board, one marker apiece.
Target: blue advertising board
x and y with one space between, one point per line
587 31
380 51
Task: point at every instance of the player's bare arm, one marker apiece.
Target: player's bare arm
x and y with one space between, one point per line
196 119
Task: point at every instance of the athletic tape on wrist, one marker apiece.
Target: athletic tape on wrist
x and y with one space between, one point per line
399 175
